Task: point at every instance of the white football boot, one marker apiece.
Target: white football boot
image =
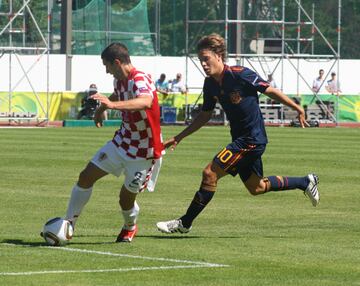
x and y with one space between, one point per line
312 189
172 226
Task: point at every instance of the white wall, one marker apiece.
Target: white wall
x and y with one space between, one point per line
89 69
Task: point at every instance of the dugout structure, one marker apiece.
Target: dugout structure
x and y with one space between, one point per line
259 34
24 43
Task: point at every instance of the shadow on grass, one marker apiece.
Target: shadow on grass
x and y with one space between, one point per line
164 236
23 243
169 236
161 236
94 235
74 242
91 243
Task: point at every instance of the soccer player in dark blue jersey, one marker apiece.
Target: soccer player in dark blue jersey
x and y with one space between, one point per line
236 89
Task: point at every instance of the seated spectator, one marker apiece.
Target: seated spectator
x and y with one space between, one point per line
89 105
177 85
161 85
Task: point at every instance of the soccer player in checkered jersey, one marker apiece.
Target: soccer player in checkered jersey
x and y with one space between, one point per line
236 89
135 149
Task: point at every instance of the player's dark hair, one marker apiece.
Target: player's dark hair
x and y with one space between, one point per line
213 42
116 51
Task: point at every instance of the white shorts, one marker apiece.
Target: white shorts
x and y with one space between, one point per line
139 174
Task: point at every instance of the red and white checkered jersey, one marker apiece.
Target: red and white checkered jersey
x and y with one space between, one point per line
139 136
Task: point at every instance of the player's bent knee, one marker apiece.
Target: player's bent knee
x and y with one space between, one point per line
85 180
90 175
209 181
209 176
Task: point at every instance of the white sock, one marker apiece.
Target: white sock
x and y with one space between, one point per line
130 216
79 198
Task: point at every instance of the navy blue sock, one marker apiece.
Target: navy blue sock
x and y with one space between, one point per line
199 202
279 183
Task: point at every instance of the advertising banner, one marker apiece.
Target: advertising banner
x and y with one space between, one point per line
59 105
349 105
66 105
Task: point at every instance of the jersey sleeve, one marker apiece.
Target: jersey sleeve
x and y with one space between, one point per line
209 100
254 80
143 86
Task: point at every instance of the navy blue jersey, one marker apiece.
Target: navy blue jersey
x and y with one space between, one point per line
238 96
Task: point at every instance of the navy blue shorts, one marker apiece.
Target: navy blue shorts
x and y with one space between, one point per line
241 158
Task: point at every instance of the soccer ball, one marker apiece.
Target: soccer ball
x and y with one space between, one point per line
57 231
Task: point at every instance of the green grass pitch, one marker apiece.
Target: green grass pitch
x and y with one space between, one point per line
273 239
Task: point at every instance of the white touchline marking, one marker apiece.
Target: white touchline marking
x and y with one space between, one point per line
193 264
105 270
123 255
138 256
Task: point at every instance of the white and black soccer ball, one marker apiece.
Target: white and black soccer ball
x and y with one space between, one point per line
57 231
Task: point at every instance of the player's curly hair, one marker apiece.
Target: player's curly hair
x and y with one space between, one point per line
213 42
116 51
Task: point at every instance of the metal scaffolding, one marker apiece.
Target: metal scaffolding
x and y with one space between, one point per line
14 50
278 25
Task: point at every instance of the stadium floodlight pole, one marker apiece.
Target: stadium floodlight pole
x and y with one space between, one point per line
339 28
226 22
338 61
66 27
239 26
298 49
173 23
157 26
23 28
50 7
282 44
10 68
282 56
187 117
107 15
10 54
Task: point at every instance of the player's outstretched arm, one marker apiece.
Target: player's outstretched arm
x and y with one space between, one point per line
199 121
139 103
279 96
